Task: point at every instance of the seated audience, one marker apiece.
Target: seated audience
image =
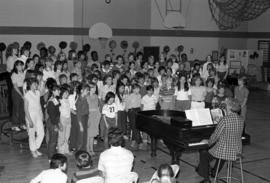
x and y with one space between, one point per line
85 166
116 162
56 173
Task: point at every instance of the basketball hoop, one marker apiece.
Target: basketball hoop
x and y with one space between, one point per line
103 41
101 32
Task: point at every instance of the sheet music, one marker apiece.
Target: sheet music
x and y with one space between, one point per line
199 117
216 115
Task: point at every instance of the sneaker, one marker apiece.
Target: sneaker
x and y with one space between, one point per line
34 154
23 127
38 153
143 146
15 128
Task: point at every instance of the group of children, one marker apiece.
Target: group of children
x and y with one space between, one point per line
80 98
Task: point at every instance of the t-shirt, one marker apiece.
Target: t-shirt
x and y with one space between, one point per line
33 99
241 94
133 101
64 108
222 68
48 74
17 79
182 94
149 102
120 105
49 176
110 110
115 163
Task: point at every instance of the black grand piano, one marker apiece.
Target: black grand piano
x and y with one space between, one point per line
176 131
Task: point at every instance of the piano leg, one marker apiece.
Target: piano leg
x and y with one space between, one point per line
175 156
153 146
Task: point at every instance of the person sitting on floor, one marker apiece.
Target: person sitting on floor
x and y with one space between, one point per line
56 173
165 174
85 165
116 163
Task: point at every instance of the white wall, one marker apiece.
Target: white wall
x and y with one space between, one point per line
197 16
36 13
261 24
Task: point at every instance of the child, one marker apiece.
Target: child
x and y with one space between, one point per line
106 70
198 93
183 94
107 87
210 93
119 65
33 116
63 79
241 94
29 65
109 113
48 71
58 165
133 104
93 119
149 100
132 69
65 70
120 103
17 78
166 94
57 70
73 96
82 115
85 166
53 124
73 77
65 120
78 70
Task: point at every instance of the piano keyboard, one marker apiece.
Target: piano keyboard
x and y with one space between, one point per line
202 143
196 144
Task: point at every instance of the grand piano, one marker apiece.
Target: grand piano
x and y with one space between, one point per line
176 131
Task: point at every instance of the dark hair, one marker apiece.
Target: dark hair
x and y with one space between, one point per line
30 74
94 55
186 87
149 87
38 66
165 167
209 80
57 160
23 49
224 59
106 77
61 76
119 56
27 62
29 82
73 86
143 63
83 159
115 137
70 52
119 84
64 88
18 62
134 86
139 53
193 80
80 53
115 72
57 63
244 79
106 62
82 87
38 73
108 96
72 75
10 50
161 68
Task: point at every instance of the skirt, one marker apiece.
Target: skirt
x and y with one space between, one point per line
93 123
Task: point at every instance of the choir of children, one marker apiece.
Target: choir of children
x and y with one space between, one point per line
82 98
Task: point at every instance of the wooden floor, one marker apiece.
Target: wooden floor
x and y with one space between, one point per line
17 166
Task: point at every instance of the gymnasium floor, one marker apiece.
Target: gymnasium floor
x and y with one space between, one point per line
17 166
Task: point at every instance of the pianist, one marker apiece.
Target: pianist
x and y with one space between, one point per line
225 143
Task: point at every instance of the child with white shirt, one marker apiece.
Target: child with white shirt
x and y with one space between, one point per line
149 101
109 113
65 120
56 173
57 70
182 94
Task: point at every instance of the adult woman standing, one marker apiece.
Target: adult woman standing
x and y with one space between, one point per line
222 68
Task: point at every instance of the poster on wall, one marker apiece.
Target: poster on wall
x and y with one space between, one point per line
248 61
